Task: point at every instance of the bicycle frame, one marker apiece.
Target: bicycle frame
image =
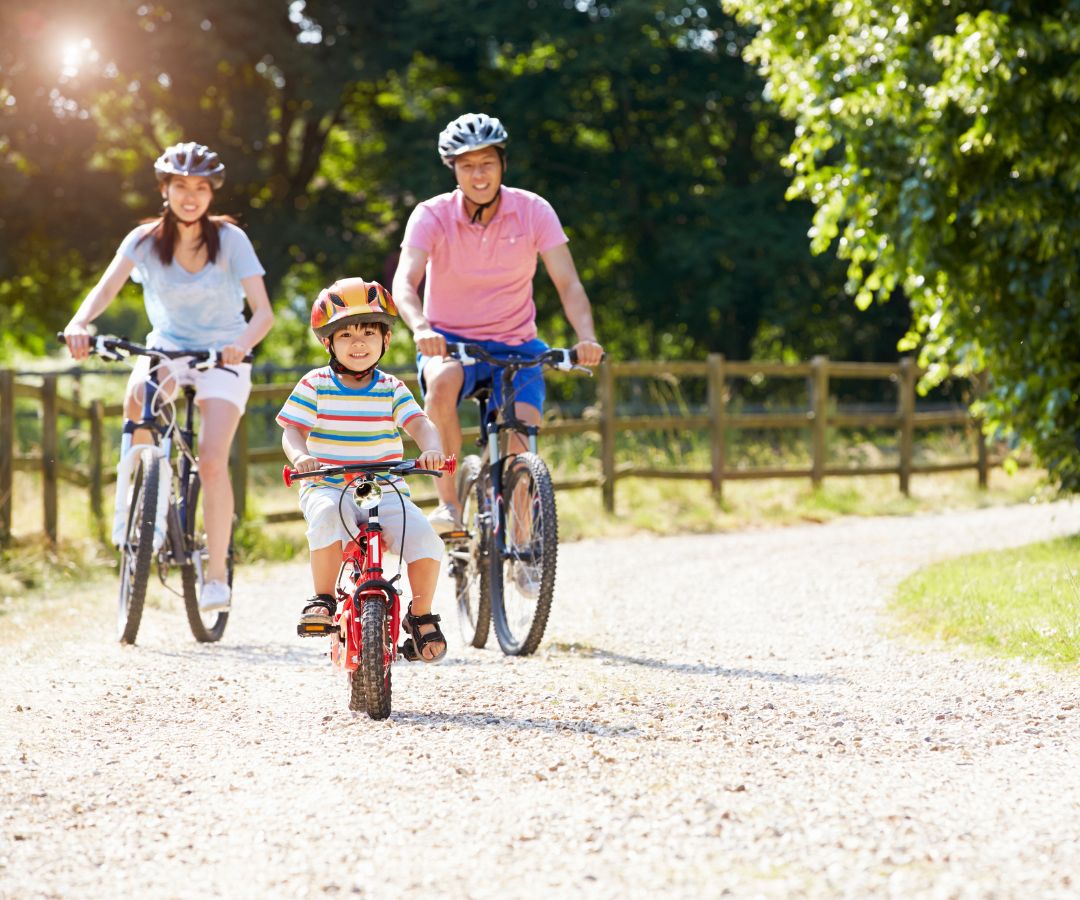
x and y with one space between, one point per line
172 511
163 432
361 582
497 420
362 568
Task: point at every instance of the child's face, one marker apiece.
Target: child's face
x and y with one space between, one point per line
358 347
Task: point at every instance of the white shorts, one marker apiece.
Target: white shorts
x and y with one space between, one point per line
213 384
320 507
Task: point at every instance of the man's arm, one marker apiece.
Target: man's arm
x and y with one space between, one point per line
406 293
560 268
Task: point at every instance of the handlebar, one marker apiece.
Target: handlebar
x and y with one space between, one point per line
113 348
565 360
401 467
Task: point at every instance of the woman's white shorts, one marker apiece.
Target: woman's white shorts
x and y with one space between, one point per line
213 384
320 507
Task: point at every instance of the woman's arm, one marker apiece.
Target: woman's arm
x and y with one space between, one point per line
77 333
262 319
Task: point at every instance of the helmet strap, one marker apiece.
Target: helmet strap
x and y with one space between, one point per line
481 207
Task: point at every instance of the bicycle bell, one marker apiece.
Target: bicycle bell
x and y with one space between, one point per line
367 494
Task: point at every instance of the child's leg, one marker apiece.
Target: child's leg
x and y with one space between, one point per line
422 553
423 576
325 565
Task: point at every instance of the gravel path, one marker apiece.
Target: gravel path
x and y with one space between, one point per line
745 726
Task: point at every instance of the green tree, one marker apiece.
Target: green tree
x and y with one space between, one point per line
636 118
938 142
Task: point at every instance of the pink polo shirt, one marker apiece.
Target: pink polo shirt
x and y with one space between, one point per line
479 277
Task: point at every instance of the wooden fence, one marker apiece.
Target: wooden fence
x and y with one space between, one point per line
718 420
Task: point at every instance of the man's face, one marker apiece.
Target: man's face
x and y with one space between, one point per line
479 174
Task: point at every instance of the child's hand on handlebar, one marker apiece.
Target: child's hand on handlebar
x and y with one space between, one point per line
431 459
305 463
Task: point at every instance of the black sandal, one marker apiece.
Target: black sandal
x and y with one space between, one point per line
318 616
413 648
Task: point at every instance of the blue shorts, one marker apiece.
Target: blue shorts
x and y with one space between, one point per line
528 383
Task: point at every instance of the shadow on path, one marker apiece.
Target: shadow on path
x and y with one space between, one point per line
607 656
489 720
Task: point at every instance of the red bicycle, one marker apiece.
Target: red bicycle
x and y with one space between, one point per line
367 623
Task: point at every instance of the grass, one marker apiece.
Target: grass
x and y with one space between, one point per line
1016 603
36 574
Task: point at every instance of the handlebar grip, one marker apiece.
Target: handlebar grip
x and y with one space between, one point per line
287 474
450 465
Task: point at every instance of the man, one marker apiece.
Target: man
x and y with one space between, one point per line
477 248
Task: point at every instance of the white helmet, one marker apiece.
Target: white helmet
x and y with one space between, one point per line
472 131
191 159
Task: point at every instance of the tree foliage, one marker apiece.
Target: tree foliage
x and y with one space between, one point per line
938 143
638 119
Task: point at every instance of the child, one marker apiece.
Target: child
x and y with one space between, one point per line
349 411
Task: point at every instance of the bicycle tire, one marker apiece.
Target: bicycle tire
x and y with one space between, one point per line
138 550
376 654
523 573
210 627
468 560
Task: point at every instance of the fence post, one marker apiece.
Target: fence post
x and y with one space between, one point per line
908 374
982 464
7 450
240 468
717 422
50 447
607 434
97 420
819 405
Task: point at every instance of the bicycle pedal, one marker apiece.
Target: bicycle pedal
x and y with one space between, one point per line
451 536
315 629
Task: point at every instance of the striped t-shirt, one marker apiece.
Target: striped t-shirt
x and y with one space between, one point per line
347 425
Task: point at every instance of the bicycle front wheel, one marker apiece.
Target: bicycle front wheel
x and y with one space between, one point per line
137 551
206 627
468 557
523 571
376 655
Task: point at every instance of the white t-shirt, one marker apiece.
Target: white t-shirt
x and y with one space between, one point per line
196 311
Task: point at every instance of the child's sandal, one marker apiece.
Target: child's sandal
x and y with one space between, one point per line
413 648
318 616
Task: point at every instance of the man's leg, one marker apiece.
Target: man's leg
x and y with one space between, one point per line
443 379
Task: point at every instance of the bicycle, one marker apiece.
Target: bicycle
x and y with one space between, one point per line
503 561
161 520
368 604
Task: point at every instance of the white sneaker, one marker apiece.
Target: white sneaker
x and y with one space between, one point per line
215 597
445 518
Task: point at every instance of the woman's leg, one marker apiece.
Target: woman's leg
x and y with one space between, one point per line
216 431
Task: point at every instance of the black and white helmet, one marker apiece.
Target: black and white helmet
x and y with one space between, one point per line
191 159
472 131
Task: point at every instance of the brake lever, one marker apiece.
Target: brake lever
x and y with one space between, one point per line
111 354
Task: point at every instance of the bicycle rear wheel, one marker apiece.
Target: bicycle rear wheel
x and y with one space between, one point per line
138 547
376 654
467 557
523 573
206 627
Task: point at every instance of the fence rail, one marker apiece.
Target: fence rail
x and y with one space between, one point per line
718 421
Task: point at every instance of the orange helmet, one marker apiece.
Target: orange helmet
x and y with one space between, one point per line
349 301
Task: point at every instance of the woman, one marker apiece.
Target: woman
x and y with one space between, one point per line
196 270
